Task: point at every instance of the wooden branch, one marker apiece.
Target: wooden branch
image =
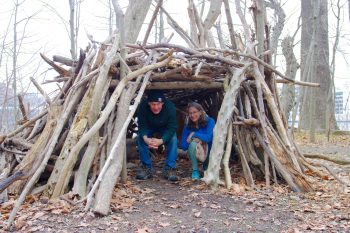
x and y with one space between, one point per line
184 85
22 108
178 29
71 104
226 158
242 153
19 143
113 100
243 20
63 72
199 24
57 80
85 79
285 174
330 170
150 25
180 77
36 84
13 133
117 142
220 129
13 151
31 162
300 83
271 68
249 121
219 58
229 24
64 60
191 52
330 158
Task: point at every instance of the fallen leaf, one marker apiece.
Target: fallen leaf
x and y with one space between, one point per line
175 206
165 214
213 206
198 214
38 215
164 224
143 230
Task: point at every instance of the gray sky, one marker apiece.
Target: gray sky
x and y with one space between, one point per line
47 31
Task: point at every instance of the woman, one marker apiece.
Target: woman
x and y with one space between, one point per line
197 137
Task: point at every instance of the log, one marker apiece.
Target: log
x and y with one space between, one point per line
211 177
332 158
225 160
107 184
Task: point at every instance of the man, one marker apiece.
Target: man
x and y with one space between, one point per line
157 115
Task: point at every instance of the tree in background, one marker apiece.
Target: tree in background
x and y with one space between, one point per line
314 63
16 61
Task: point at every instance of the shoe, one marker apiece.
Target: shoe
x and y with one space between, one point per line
144 173
195 175
169 173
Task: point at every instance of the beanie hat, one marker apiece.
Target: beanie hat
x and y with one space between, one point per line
156 96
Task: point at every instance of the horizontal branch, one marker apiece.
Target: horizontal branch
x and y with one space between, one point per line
330 158
184 85
261 62
301 83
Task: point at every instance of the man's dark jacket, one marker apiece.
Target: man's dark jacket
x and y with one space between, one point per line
164 122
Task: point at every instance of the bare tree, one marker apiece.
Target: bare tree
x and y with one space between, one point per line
74 12
330 119
314 49
288 91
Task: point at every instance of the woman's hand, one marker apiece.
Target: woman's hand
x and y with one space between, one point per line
189 138
197 140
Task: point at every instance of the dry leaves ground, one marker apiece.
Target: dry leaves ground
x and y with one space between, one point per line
160 206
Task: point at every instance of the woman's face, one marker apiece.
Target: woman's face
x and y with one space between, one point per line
194 114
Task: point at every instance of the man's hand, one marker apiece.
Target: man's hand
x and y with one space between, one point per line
153 142
157 142
147 140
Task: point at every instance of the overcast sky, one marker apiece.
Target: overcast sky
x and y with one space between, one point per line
46 32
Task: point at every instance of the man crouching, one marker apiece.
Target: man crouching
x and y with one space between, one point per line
157 115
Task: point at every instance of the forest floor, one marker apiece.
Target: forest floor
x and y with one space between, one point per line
158 205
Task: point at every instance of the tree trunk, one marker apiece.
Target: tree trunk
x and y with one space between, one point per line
315 24
134 17
211 176
288 91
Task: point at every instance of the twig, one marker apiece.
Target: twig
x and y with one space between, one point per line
330 170
36 84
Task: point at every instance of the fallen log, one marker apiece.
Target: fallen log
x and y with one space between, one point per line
332 158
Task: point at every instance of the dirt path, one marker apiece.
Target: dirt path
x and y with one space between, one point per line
158 205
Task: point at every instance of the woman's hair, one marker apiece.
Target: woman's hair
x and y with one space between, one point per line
203 119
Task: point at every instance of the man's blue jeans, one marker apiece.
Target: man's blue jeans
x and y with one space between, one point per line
171 148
